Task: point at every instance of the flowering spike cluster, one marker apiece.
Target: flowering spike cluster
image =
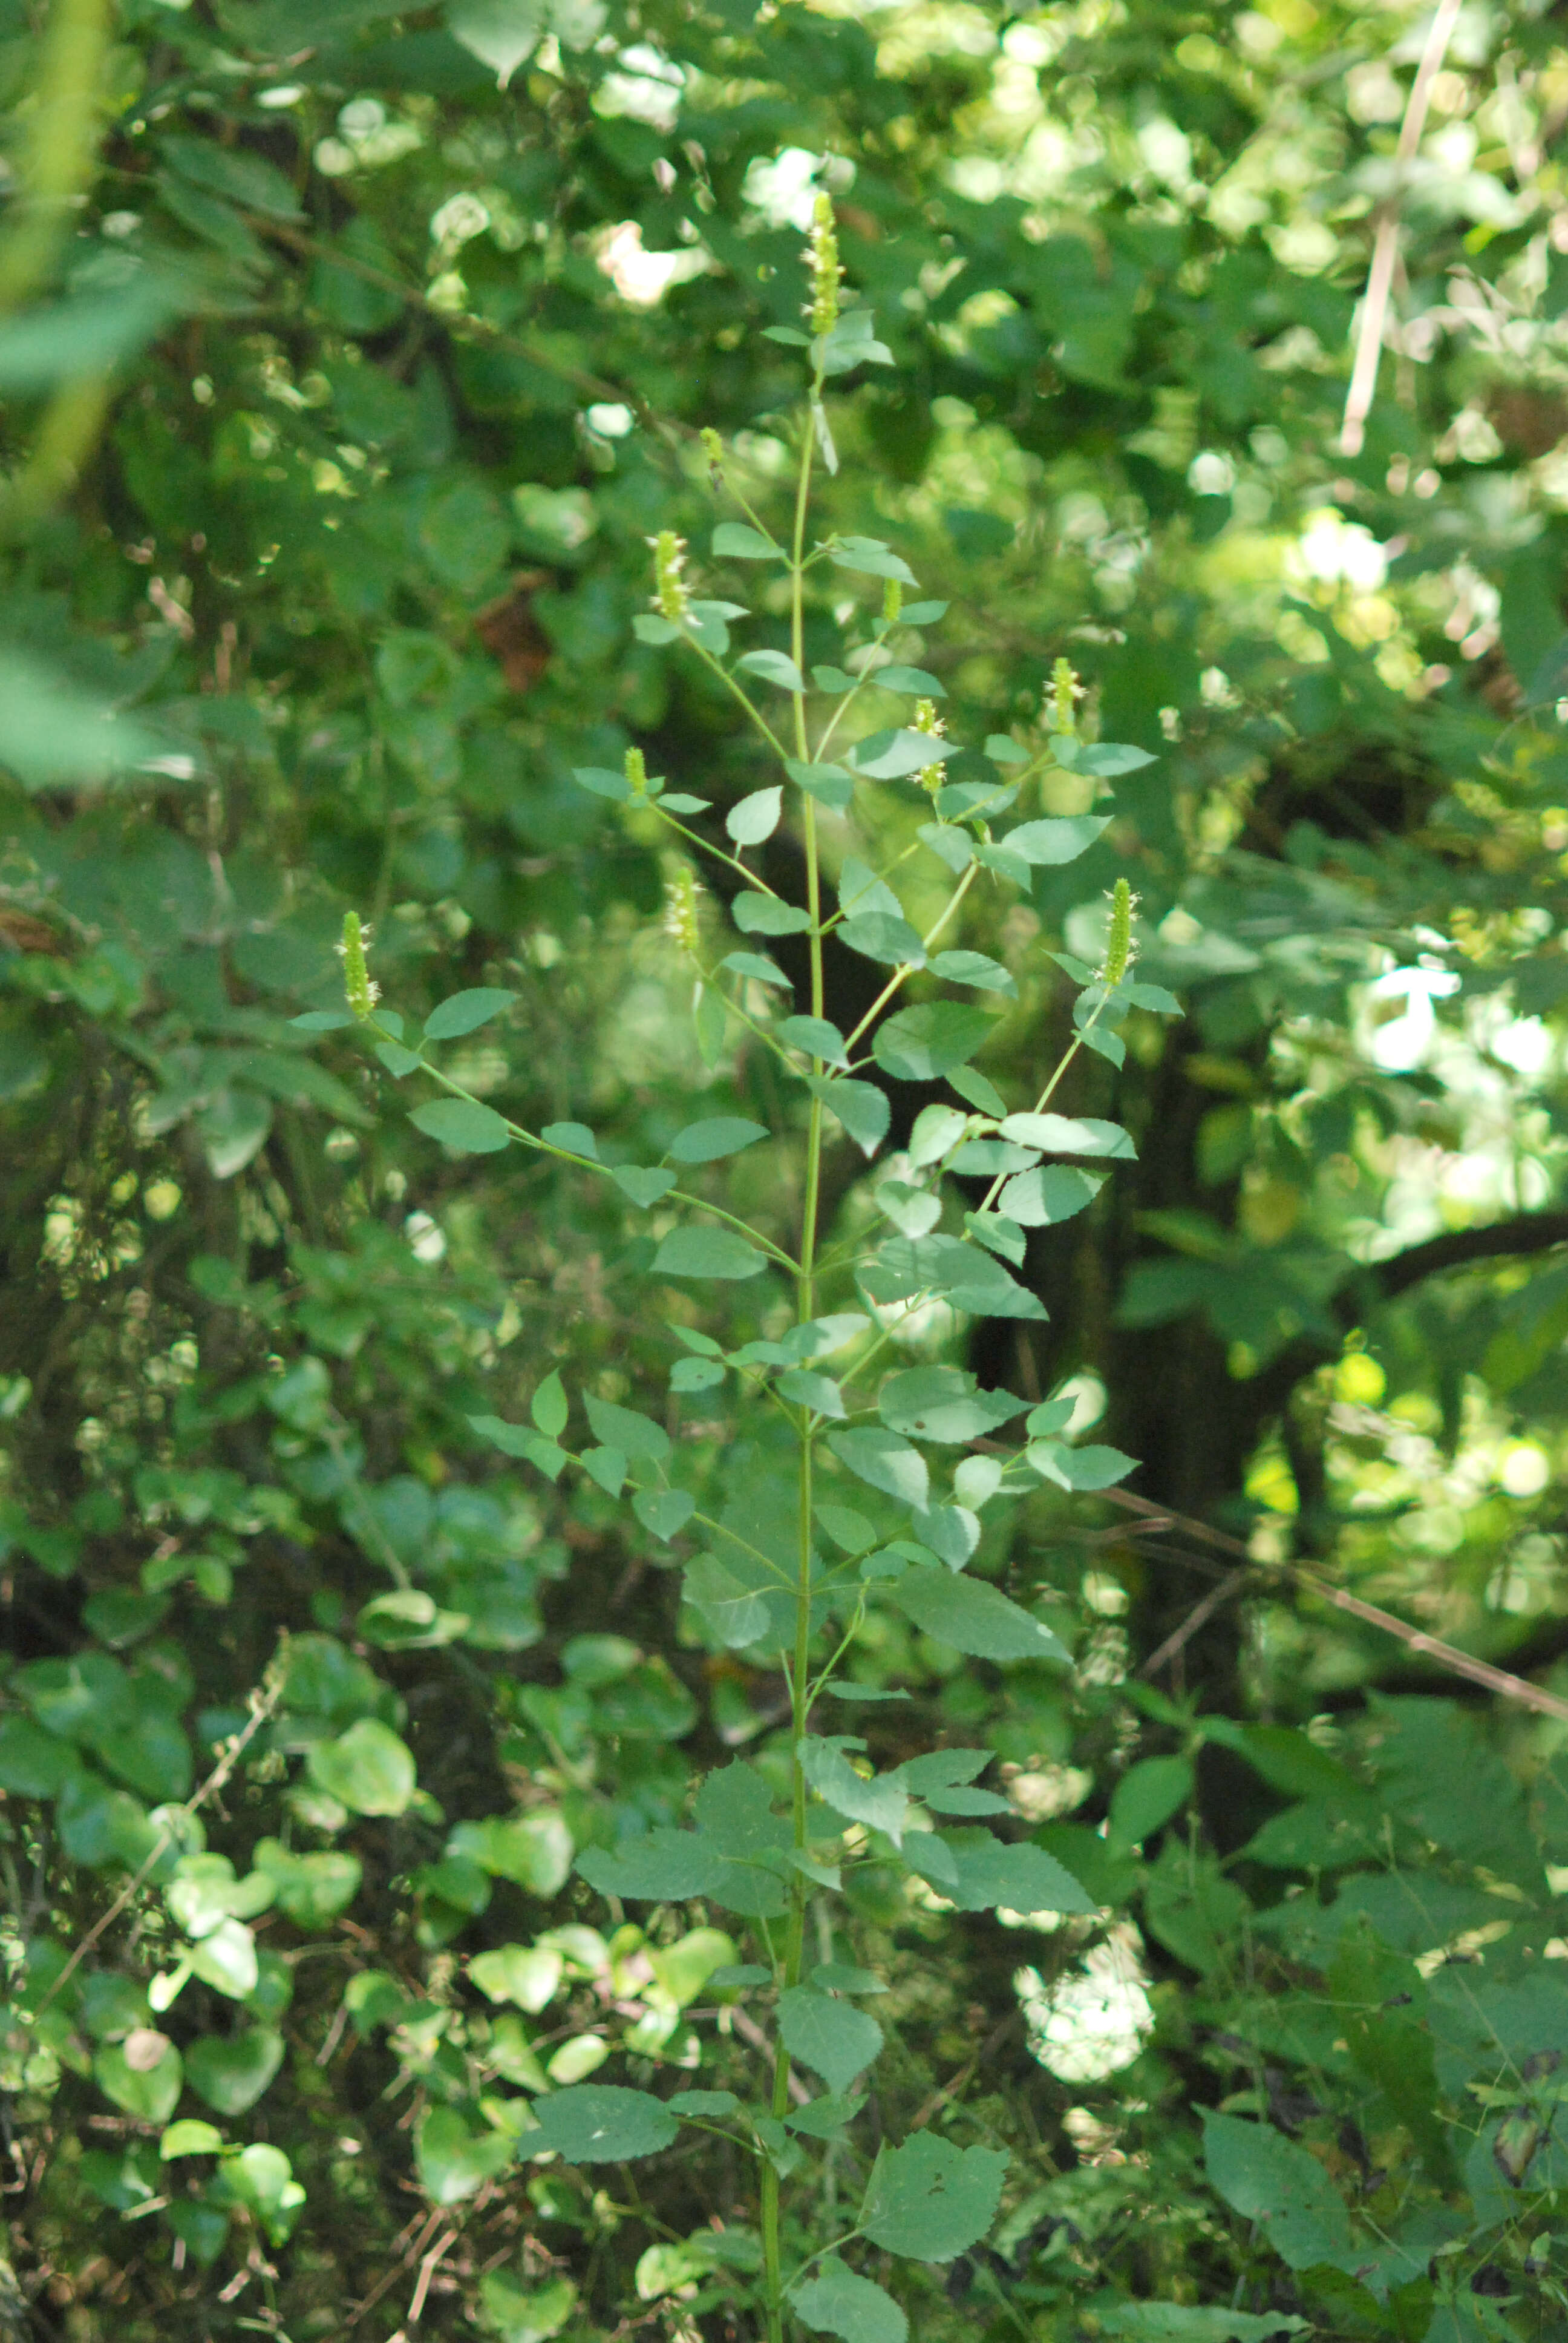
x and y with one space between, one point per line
636 773
359 986
1066 691
681 920
671 591
826 273
926 721
1118 941
892 602
713 448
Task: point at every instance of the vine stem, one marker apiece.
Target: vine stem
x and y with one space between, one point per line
806 1309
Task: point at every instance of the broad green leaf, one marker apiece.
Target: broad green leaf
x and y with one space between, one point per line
912 1211
527 1974
463 1126
521 1440
225 1959
920 1045
834 2039
464 1012
738 1615
766 915
1061 1134
773 667
548 1407
143 2074
33 1764
885 1461
231 2075
661 1867
664 1511
454 2162
531 2314
881 1802
637 1436
836 2302
603 781
929 2200
1060 841
74 340
943 1403
502 33
733 541
366 1769
757 967
816 1037
55 734
860 1107
312 1889
881 936
1003 750
1040 1197
189 2137
952 1532
971 1615
981 1872
1094 1467
1147 1795
573 1138
1172 2322
598 2124
719 1134
1264 2176
972 967
937 1130
890 756
871 558
696 1374
810 1389
642 1184
757 816
913 682
1105 759
705 2103
243 177
830 785
706 1253
850 1529
532 1850
261 2177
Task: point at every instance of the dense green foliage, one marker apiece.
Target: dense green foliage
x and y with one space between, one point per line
396 1754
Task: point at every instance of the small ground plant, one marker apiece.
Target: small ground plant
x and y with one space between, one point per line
894 1465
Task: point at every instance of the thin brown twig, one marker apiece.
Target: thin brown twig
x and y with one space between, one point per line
1199 1616
442 2246
263 1702
1499 1681
1385 243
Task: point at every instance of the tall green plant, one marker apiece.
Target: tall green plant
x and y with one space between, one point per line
791 1581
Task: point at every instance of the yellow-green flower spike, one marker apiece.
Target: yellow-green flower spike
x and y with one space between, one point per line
1066 691
892 602
680 917
712 446
826 273
359 986
1118 941
670 593
926 721
636 773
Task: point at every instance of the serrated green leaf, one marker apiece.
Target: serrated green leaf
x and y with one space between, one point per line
862 1109
521 1440
981 1872
643 1184
973 1616
1265 2177
890 756
944 1404
757 966
880 1804
1061 1135
920 1045
816 1037
773 667
883 936
1062 839
836 2302
884 1462
834 2039
738 1615
1041 1197
973 968
929 2200
870 558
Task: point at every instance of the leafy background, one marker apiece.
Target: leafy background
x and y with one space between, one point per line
339 411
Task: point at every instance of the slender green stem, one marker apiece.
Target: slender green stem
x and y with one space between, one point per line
902 976
751 876
587 1162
